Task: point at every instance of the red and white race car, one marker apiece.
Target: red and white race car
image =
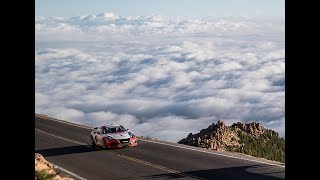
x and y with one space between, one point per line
112 136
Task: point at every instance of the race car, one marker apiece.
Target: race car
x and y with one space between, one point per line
112 136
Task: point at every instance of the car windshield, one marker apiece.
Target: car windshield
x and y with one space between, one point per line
115 129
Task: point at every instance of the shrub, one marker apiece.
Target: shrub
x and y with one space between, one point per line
44 175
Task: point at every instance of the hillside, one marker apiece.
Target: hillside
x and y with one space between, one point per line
250 138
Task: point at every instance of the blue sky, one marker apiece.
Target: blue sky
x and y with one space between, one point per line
196 8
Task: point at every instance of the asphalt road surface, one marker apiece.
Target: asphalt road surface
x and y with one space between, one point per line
67 145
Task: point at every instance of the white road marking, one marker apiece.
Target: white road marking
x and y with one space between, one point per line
77 142
120 155
65 170
218 154
213 153
69 172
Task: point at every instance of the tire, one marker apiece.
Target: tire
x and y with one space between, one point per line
93 144
104 143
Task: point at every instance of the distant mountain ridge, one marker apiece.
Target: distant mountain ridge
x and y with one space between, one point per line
250 138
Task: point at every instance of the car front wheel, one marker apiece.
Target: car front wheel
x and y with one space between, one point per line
104 143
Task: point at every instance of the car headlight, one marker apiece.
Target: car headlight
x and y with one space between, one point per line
110 137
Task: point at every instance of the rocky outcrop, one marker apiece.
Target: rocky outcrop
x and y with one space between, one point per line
45 168
254 129
219 136
215 137
251 139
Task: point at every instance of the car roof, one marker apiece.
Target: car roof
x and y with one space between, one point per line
109 126
112 125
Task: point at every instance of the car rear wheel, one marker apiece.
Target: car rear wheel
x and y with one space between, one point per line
93 144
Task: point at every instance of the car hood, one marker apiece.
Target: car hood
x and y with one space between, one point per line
119 135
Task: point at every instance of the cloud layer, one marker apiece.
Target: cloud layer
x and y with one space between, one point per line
160 77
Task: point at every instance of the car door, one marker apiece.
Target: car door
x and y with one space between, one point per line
95 135
98 137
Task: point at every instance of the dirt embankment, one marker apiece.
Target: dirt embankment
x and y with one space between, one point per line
45 170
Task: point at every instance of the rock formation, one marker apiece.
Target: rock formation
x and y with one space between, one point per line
250 138
44 167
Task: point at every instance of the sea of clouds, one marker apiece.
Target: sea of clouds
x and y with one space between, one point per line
162 77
